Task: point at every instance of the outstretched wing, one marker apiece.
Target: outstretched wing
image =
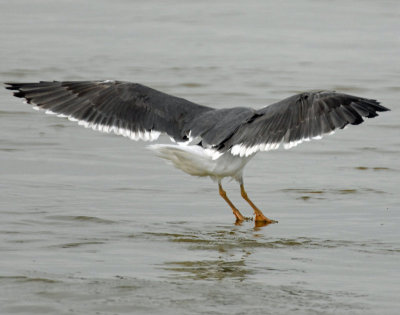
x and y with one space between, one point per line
299 118
125 108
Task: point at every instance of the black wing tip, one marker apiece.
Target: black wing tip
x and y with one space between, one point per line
368 108
357 121
12 85
15 87
383 109
377 105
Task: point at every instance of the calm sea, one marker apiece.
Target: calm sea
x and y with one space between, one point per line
96 224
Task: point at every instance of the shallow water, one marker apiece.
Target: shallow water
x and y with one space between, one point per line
95 224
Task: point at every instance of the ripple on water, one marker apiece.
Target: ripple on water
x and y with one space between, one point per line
19 73
208 269
227 252
80 244
224 241
80 218
192 84
307 194
364 168
14 113
26 279
126 295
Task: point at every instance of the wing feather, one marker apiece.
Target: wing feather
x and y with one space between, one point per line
124 108
299 118
139 112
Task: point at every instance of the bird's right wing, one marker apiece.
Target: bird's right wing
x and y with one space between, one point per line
125 108
299 118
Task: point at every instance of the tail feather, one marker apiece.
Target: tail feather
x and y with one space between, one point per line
190 159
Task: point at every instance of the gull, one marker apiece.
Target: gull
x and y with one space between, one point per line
211 142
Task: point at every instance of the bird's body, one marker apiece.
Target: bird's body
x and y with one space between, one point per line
208 142
197 161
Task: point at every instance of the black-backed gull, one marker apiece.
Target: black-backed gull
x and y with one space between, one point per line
207 142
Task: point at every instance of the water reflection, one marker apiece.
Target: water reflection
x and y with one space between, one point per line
208 269
231 252
257 224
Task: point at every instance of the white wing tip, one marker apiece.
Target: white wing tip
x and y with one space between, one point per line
134 135
242 150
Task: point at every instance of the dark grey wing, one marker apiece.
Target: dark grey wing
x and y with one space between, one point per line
299 118
125 108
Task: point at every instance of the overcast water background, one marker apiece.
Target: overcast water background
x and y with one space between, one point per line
92 223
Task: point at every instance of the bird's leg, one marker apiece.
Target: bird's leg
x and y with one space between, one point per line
260 217
236 212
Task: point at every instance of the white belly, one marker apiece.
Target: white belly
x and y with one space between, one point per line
197 161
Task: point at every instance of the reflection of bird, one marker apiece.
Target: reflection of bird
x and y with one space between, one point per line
208 142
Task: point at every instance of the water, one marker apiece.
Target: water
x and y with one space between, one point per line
95 224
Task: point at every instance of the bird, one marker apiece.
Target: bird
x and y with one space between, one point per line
206 141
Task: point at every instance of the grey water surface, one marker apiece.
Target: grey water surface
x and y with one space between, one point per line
92 223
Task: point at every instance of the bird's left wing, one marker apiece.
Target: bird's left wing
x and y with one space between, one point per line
129 109
299 118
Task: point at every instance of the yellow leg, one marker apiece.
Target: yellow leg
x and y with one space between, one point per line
236 212
260 217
